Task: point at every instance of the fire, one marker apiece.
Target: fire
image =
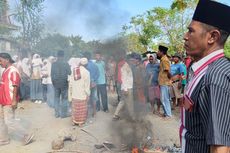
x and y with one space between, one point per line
135 150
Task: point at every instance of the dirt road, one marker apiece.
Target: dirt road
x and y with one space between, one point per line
39 118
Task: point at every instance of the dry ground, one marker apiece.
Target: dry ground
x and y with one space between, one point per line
39 118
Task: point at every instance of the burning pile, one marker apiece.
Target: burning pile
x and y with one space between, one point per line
133 134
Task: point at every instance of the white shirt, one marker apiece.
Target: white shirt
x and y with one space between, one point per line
81 87
126 77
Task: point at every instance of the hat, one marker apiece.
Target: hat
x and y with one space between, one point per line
6 56
163 49
84 61
213 13
177 55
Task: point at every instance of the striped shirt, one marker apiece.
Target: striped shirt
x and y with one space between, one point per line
10 79
209 121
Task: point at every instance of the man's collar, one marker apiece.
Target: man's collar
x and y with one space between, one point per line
199 63
163 57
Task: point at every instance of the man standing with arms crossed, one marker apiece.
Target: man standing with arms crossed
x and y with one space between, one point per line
205 116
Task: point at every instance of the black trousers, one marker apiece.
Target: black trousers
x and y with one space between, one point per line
102 97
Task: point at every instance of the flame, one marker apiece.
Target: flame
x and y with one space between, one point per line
135 150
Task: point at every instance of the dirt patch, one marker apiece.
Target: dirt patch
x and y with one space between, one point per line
39 118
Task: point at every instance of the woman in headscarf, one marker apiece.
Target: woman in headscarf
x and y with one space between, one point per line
47 82
36 79
80 80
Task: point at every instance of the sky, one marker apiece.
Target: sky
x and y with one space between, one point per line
95 19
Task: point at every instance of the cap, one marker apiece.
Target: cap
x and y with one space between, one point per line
163 49
213 13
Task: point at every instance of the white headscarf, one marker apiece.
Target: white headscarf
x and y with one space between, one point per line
74 62
26 66
15 58
36 60
84 61
51 59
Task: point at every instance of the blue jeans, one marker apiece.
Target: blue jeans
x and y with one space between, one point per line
50 95
102 95
165 100
61 104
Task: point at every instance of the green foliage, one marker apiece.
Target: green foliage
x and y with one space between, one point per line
3 6
29 16
75 46
182 5
162 25
51 44
133 43
4 30
227 49
144 27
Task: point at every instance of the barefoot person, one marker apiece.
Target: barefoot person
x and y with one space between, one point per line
9 97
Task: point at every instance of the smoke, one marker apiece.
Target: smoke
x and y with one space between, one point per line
88 18
134 129
132 132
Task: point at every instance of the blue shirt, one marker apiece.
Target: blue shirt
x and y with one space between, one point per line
185 73
93 70
176 69
153 69
101 68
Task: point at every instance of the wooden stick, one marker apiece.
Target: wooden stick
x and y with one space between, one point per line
74 151
107 148
90 134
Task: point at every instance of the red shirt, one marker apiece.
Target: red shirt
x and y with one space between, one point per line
10 78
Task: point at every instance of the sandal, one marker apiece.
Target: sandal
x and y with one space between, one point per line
116 117
4 142
28 139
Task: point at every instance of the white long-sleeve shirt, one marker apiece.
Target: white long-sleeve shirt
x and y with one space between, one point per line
126 77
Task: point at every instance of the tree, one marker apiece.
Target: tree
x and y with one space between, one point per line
182 5
143 27
3 7
133 44
160 25
51 43
29 17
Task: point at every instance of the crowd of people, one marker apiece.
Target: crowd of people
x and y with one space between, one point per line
199 83
78 87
